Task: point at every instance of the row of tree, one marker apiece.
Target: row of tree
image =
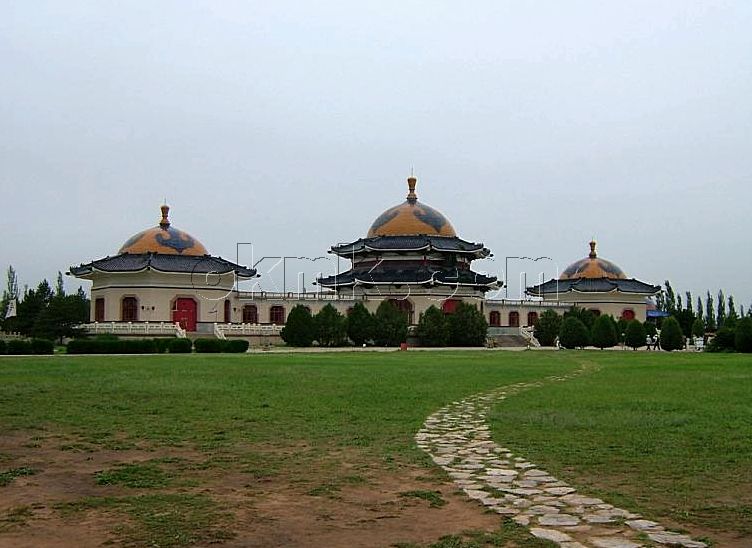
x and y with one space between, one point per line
713 314
44 312
387 327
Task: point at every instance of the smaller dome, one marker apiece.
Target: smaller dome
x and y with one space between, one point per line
592 267
164 239
411 218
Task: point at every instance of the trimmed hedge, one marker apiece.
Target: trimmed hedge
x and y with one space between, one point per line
112 346
213 346
21 347
180 346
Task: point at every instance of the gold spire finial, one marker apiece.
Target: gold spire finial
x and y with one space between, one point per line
165 222
593 254
411 182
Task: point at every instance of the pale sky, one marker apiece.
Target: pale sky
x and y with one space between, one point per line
533 126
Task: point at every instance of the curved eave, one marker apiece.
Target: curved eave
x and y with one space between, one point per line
362 246
569 286
85 271
431 281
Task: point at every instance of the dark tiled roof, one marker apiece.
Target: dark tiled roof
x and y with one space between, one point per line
423 274
593 285
411 243
126 262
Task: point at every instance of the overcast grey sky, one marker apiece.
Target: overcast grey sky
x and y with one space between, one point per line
532 125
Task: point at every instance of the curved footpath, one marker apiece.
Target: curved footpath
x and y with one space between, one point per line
458 439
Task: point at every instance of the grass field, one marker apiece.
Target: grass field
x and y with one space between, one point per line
179 450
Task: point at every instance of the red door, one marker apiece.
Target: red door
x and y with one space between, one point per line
185 313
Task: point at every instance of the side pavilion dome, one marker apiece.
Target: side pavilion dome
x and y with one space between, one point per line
164 239
592 267
411 218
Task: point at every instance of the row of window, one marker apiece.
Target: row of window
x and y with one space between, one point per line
277 314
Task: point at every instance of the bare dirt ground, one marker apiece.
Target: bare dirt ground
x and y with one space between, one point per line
271 511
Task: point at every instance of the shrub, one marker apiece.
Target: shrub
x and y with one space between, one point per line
698 328
162 345
331 327
650 329
3 346
433 328
585 316
547 327
300 329
573 333
111 346
19 347
467 326
672 337
360 325
635 335
42 346
208 346
724 341
604 332
180 346
390 325
743 336
235 346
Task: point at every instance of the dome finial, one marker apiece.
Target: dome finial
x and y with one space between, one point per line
593 254
411 182
165 222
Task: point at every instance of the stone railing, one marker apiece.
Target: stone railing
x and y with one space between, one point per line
528 332
292 295
223 330
134 328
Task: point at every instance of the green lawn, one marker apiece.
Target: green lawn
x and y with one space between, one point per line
664 434
667 435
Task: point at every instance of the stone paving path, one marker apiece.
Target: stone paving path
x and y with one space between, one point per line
458 439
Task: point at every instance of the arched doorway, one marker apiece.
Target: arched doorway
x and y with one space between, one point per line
228 314
628 314
532 317
450 306
494 319
129 309
185 313
404 306
99 310
277 315
250 313
514 319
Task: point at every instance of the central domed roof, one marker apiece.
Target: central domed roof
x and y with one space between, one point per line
411 218
164 239
593 267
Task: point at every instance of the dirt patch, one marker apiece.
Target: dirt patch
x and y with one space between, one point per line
339 499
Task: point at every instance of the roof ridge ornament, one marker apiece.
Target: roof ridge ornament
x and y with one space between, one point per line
411 182
593 254
165 222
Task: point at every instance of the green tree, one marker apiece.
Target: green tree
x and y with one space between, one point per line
710 323
672 337
650 329
723 341
360 325
62 316
547 327
721 314
689 301
699 308
731 316
331 327
585 316
300 329
670 298
635 335
30 308
743 335
467 326
433 328
390 325
698 328
573 333
603 334
621 329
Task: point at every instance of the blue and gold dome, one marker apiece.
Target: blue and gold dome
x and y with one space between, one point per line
592 267
411 218
164 239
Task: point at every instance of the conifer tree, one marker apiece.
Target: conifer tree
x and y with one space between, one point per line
689 302
710 324
699 308
721 309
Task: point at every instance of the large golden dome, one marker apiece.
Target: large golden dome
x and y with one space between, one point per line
164 239
411 218
593 267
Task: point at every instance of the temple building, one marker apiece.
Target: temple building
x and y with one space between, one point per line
162 275
599 286
413 257
164 281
